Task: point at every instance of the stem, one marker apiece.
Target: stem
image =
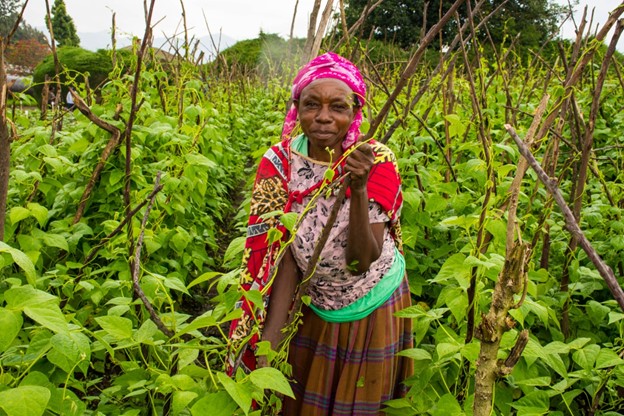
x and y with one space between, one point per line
110 146
570 222
133 111
137 262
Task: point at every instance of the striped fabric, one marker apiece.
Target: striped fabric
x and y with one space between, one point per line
350 368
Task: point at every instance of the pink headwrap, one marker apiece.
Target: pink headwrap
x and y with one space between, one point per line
329 65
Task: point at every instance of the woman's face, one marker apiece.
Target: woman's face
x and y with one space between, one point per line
326 110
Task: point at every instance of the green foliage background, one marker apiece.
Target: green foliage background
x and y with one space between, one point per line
76 340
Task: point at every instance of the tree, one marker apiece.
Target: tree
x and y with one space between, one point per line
8 15
9 10
401 21
63 25
26 53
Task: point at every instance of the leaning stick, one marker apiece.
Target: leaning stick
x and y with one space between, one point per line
316 254
120 226
137 263
110 146
570 222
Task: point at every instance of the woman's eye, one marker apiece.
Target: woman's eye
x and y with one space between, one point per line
340 107
310 105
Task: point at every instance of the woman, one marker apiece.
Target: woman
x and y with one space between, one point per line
344 355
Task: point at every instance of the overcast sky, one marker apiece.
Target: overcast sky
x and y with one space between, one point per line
240 19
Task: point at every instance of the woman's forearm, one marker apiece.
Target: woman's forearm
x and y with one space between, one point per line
283 291
364 241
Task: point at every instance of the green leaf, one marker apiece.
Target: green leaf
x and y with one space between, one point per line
69 350
456 126
17 214
240 392
215 404
145 334
435 203
48 315
274 235
255 297
19 297
181 399
536 402
586 357
39 212
204 278
272 379
447 406
596 312
416 354
329 174
454 268
578 343
289 220
198 159
538 309
235 248
116 326
445 349
25 401
115 177
65 402
557 347
201 321
608 358
555 362
11 323
22 261
470 351
534 382
615 317
55 240
176 284
180 240
48 150
458 304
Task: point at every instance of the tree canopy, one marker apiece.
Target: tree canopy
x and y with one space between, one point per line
63 25
402 21
9 10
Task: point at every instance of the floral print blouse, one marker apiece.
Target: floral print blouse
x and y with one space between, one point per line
332 286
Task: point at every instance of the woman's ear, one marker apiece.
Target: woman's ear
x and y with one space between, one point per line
296 104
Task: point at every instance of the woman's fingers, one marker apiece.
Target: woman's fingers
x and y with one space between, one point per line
359 163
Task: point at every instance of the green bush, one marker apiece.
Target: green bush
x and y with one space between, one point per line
257 56
75 64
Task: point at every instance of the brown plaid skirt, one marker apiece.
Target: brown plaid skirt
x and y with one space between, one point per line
350 368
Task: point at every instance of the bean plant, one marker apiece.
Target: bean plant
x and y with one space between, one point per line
76 338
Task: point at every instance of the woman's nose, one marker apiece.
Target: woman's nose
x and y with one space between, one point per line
323 114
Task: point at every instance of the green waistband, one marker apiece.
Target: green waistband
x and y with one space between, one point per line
365 305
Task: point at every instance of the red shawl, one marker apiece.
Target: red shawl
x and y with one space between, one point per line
270 193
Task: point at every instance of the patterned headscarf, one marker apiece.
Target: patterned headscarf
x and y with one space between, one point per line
328 65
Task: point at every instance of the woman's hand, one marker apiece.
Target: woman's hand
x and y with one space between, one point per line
359 164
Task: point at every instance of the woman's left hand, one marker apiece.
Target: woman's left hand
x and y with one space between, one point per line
359 163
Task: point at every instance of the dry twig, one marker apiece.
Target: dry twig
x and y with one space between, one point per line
137 263
570 222
110 147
